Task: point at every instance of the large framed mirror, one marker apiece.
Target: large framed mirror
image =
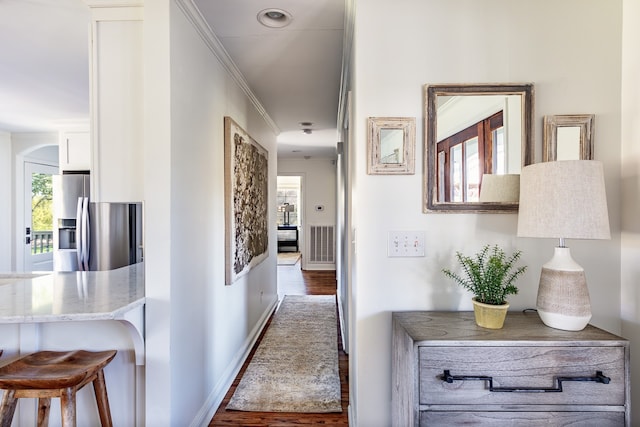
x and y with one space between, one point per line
568 137
477 139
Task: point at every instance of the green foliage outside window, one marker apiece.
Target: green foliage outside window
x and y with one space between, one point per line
41 212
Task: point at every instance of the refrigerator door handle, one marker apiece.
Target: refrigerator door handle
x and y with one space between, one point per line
85 234
79 232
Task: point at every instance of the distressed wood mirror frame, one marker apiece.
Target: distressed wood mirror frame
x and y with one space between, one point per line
520 94
391 145
583 122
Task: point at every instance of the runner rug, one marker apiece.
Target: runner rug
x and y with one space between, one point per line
288 258
295 367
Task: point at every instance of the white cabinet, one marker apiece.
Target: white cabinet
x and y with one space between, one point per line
117 102
74 148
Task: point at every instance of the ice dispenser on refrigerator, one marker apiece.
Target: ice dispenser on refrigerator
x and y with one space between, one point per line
70 194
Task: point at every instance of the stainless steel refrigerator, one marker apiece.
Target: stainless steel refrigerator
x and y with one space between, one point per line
93 236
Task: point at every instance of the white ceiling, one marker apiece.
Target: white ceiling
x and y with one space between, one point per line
44 69
293 71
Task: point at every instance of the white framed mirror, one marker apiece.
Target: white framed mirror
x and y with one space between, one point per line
476 134
391 145
568 137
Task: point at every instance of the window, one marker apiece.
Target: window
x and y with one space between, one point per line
41 213
465 156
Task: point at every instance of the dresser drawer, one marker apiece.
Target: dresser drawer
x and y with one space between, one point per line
522 419
521 367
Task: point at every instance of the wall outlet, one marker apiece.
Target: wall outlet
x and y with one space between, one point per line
405 244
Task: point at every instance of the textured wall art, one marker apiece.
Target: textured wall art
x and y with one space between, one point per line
246 201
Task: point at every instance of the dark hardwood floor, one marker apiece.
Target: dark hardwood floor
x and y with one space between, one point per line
292 281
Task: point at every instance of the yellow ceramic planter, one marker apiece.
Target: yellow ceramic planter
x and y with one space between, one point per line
489 316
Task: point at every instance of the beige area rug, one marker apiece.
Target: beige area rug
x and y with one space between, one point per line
295 367
288 258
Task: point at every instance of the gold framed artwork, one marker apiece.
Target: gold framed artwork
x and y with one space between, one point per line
246 168
391 145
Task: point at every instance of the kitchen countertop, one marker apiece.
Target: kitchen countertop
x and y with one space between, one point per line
77 296
81 295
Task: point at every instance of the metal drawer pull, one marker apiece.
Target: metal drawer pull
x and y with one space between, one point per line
598 378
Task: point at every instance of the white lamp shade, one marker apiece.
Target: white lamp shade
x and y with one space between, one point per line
500 188
563 199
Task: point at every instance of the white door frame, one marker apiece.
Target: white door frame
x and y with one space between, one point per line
302 220
24 146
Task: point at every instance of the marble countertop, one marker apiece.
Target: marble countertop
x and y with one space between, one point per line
75 296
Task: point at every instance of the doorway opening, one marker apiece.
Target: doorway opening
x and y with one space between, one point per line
289 219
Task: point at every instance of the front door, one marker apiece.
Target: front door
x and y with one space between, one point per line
38 210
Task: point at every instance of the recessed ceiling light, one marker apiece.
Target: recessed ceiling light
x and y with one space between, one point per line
275 14
274 18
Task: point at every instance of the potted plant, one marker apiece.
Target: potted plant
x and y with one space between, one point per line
490 276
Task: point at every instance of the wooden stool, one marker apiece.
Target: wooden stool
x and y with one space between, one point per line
48 374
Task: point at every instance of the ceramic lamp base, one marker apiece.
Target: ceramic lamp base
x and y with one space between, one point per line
563 297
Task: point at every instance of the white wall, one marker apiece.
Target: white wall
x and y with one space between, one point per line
630 295
198 329
5 201
159 388
570 50
319 189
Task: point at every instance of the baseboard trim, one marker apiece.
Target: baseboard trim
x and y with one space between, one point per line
352 420
310 266
218 393
343 324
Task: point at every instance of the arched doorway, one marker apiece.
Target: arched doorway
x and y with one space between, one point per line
35 154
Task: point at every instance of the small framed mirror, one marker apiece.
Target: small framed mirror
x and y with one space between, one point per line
477 139
391 145
568 137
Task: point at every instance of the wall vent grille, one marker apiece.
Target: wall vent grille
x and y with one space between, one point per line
322 244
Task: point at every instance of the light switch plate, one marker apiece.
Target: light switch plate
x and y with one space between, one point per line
405 244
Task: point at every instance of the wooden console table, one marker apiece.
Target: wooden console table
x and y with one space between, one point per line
449 371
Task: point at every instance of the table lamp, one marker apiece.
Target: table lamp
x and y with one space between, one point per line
287 209
563 200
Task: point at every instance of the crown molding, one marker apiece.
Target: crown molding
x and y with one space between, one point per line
193 14
347 43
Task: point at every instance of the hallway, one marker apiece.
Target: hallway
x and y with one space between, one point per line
292 281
